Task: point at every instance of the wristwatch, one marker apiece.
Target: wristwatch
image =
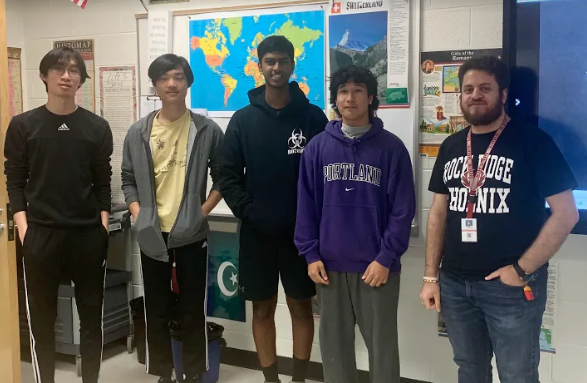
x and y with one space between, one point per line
524 276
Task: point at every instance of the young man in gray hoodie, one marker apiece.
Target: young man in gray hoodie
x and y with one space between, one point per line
164 173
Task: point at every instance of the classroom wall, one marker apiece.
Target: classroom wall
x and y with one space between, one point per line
446 24
14 24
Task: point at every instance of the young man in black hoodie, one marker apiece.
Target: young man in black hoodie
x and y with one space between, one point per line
58 180
261 155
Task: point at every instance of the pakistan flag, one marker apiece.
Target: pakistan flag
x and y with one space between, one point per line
223 300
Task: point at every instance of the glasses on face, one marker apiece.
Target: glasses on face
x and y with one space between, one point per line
74 73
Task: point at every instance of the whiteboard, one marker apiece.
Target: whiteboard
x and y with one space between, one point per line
403 122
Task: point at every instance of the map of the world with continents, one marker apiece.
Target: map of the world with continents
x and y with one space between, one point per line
223 56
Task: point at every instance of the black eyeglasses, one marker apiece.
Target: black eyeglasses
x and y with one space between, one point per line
74 73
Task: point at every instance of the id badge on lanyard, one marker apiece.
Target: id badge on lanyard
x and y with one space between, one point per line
469 229
473 181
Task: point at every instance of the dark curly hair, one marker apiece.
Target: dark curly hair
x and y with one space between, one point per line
488 64
358 75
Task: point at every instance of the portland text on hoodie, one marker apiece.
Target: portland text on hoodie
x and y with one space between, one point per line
356 200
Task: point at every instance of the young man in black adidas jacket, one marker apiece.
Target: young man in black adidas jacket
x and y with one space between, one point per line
58 180
258 180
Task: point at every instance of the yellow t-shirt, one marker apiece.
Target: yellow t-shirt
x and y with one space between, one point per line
169 143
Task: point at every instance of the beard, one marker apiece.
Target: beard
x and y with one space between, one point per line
486 118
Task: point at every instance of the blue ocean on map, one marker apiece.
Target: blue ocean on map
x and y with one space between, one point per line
223 57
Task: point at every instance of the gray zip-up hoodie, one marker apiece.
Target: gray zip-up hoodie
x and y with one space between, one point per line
138 184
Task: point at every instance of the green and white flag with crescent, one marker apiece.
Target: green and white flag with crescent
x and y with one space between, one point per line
223 299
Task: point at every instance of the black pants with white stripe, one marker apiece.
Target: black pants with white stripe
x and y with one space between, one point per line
190 311
52 256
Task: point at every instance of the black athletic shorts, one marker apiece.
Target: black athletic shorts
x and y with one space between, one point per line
262 260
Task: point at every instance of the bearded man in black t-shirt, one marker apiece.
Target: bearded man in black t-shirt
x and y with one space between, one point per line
489 227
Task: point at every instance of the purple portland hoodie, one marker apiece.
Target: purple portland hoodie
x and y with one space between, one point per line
356 200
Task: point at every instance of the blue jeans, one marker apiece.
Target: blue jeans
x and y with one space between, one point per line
487 317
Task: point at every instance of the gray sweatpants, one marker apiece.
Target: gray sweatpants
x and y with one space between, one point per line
348 300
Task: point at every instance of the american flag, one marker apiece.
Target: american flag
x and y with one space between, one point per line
81 3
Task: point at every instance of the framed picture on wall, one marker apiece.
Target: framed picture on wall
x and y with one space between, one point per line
155 2
15 81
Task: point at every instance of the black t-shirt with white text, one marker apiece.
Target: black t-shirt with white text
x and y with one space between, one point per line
524 168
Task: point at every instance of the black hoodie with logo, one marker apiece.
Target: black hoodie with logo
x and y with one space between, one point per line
261 155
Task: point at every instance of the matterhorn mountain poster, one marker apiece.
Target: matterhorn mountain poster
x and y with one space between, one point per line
362 46
360 34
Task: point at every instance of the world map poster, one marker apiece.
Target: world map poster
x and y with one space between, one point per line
223 56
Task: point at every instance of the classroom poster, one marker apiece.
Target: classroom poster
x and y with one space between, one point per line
223 272
440 96
14 81
546 332
118 105
86 95
382 47
547 329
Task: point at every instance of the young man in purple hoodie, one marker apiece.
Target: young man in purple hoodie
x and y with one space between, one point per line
356 202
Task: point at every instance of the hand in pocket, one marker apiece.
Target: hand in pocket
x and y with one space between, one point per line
22 234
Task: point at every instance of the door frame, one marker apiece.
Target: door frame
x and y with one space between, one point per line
9 328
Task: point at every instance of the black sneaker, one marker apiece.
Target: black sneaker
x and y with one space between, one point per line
166 380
